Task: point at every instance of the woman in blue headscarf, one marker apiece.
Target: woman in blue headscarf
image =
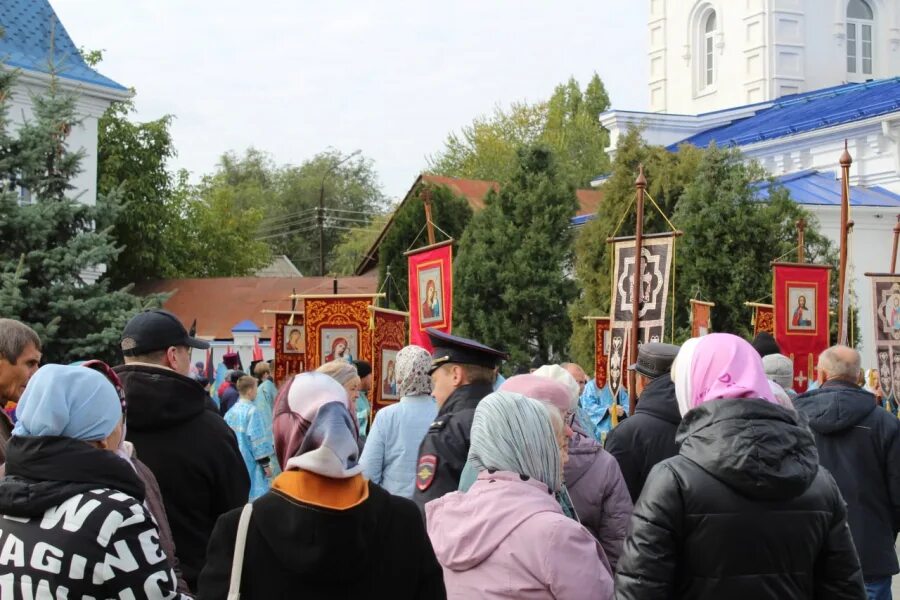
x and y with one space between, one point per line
74 519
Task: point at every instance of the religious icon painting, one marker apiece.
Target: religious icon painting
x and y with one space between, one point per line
339 344
802 307
431 297
294 339
388 375
887 309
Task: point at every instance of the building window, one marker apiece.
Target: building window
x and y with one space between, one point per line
708 71
860 23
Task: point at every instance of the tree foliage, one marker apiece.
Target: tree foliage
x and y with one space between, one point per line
511 287
51 246
407 230
354 245
729 239
567 123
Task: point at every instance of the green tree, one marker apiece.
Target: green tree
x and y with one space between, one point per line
407 230
567 123
511 288
50 243
354 245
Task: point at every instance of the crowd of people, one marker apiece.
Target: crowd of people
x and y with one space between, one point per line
144 480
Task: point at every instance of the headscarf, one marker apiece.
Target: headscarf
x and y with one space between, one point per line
511 432
715 367
69 402
340 370
558 373
540 388
411 371
296 406
111 376
329 447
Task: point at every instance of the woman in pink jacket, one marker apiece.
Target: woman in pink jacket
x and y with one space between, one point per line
507 536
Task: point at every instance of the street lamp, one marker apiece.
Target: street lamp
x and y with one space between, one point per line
322 210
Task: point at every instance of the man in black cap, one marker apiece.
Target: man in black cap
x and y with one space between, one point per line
648 437
176 432
462 373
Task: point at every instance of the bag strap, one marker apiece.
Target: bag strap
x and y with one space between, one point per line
240 543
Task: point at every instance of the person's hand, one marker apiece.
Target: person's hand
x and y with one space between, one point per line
620 410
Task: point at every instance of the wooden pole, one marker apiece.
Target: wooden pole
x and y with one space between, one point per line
893 268
426 196
846 161
641 185
801 242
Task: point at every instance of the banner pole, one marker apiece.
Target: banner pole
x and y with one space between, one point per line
801 246
846 161
893 268
641 185
426 197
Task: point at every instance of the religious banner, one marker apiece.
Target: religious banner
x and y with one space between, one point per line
701 319
289 342
763 318
654 289
602 343
801 295
886 298
430 291
337 328
388 338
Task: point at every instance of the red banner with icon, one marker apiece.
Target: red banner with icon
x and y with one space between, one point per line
701 317
801 294
289 341
430 291
601 350
337 328
388 338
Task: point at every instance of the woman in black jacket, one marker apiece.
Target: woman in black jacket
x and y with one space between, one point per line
73 520
744 511
324 531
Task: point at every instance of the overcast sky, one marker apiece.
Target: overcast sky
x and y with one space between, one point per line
293 77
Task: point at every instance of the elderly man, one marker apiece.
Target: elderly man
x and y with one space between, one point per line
176 431
859 443
648 437
20 357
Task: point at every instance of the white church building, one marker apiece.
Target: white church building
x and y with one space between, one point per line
787 81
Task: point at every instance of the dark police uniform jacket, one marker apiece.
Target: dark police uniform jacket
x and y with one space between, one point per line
445 448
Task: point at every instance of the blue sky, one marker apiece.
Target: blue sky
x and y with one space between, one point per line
390 78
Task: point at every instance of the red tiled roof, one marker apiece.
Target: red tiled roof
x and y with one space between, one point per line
220 303
473 190
588 202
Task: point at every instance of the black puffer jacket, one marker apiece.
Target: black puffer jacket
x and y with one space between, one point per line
191 450
743 512
859 443
648 436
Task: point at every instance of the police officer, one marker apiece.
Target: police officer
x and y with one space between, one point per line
462 373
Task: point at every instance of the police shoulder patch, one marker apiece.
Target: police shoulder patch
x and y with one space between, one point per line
425 471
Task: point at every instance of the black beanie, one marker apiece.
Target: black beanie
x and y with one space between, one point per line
765 344
363 368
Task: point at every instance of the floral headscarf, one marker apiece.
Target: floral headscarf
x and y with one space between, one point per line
296 407
411 371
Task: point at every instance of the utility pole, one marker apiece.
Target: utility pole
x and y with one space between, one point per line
321 215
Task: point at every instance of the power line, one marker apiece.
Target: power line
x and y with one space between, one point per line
289 224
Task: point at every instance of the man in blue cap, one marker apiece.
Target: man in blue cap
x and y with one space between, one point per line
462 373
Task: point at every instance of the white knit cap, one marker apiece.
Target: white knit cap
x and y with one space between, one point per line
557 373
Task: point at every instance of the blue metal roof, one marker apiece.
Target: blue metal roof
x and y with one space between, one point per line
798 113
815 188
246 326
30 27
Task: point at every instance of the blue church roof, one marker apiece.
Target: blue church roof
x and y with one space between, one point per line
815 188
246 326
798 113
30 27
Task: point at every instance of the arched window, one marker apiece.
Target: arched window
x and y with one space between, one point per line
708 72
860 23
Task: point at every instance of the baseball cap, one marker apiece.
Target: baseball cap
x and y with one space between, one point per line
153 330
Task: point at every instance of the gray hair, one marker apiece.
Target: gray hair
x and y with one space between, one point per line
511 432
339 370
840 362
14 338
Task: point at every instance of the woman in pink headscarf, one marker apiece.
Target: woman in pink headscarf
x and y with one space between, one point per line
744 510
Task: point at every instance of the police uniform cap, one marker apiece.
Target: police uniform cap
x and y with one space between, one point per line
459 350
655 359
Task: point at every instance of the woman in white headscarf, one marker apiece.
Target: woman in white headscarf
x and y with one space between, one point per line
507 537
392 448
